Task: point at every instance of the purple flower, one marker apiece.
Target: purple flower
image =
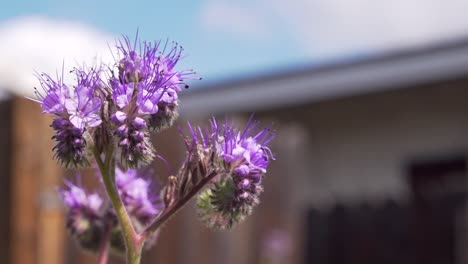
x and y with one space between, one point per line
53 96
147 61
142 201
134 91
144 95
240 158
90 214
86 217
84 107
135 65
151 72
172 82
245 152
76 199
74 110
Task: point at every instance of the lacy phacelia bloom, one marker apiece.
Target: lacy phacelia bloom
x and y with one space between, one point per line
140 95
90 215
75 111
145 96
86 216
239 158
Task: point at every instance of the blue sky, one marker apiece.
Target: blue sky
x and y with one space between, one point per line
215 55
227 39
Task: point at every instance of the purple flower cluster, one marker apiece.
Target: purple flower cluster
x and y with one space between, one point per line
145 96
240 159
108 116
90 214
76 111
121 107
85 215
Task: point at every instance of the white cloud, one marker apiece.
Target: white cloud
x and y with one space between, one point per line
330 27
348 25
38 44
234 18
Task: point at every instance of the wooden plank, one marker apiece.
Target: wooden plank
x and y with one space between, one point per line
24 182
37 224
171 238
51 224
5 168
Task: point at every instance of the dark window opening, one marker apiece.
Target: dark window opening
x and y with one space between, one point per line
427 230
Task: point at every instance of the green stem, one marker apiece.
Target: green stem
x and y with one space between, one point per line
133 241
172 210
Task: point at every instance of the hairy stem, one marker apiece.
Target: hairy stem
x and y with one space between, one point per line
133 241
173 209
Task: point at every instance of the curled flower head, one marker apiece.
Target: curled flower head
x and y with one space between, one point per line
70 149
133 139
239 158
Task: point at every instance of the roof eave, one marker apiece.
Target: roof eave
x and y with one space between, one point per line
365 76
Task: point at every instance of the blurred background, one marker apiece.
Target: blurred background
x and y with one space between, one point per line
369 99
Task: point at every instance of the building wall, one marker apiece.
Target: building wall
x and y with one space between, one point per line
358 148
348 151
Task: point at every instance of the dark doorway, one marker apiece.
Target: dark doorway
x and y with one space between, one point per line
426 230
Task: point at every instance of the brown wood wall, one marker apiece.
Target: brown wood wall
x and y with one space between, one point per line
36 223
36 219
5 191
35 227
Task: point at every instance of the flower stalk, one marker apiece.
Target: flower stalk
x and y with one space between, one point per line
133 241
179 204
